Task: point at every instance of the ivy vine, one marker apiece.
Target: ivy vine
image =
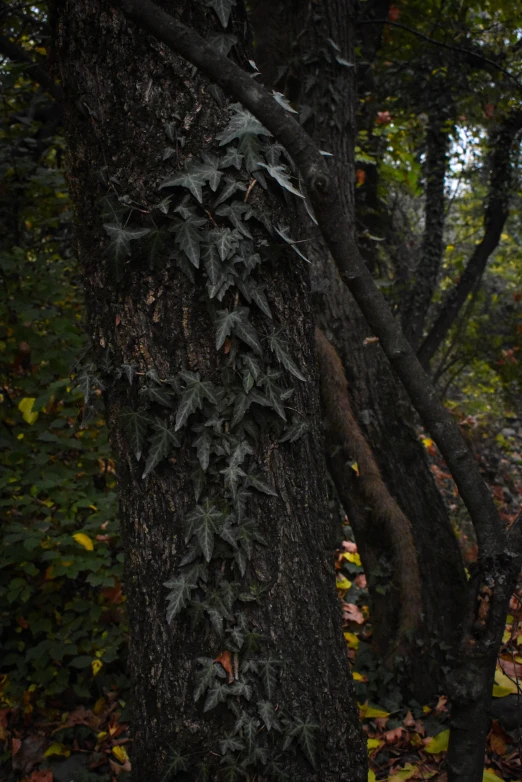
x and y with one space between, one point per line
219 236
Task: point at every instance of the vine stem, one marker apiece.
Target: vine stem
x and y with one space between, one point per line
320 178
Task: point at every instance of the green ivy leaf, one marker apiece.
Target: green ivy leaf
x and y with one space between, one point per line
254 292
180 590
222 42
283 232
235 212
136 425
280 174
305 734
203 445
295 432
268 670
241 123
216 695
252 153
204 522
119 247
231 187
245 330
232 157
129 370
158 394
279 347
268 715
194 176
191 401
222 8
189 239
162 442
225 320
231 744
206 676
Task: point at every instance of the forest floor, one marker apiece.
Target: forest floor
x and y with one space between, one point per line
406 740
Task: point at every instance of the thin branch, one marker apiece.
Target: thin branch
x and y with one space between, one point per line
443 45
320 179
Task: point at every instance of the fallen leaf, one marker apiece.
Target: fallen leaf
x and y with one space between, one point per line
44 775
408 721
438 743
84 540
394 735
225 660
57 749
351 613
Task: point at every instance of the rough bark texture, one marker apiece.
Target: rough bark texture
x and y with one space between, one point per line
379 403
428 269
121 87
496 212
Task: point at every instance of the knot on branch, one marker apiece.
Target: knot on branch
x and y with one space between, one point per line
320 185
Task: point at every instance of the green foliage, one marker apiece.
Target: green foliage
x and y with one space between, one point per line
61 618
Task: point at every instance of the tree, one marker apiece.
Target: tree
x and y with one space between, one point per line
202 344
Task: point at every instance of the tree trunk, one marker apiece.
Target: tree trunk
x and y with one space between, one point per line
250 678
381 407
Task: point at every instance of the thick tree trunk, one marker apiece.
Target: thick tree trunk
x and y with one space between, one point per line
259 635
381 407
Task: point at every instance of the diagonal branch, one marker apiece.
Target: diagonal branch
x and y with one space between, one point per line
494 220
321 184
473 55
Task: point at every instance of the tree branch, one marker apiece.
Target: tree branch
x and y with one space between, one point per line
459 49
494 220
321 184
15 53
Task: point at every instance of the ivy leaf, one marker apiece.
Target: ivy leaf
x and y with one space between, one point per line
175 763
204 522
222 9
241 123
216 695
202 445
180 590
232 157
273 393
222 42
225 320
136 425
189 239
252 152
238 635
282 231
245 331
268 670
253 366
232 475
253 292
241 688
280 98
280 174
295 431
225 240
231 187
235 212
206 675
260 485
279 347
241 405
129 370
229 533
161 444
268 715
231 744
191 401
158 394
194 176
305 734
119 247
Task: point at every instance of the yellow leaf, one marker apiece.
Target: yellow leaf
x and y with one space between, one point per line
99 706
26 406
343 583
57 749
403 773
426 709
439 743
490 776
427 442
371 712
503 685
96 666
102 735
373 744
121 753
355 467
371 776
357 676
355 558
351 640
506 636
84 540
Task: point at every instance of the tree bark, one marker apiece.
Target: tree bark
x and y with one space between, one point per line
278 641
432 250
379 403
